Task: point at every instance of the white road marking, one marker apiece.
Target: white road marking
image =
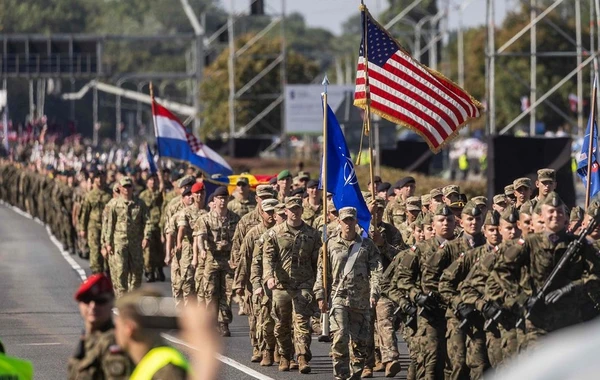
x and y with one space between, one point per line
222 359
83 276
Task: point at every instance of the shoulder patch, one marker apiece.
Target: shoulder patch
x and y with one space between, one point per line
413 248
496 249
461 254
442 245
115 349
521 241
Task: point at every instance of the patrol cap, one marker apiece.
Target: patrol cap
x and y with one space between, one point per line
480 200
294 201
546 175
552 199
187 191
471 209
426 199
384 186
125 181
242 181
413 204
220 192
522 182
115 187
380 202
528 207
450 189
347 212
499 198
188 180
269 204
296 181
442 210
436 192
403 182
312 183
492 218
427 218
302 175
280 208
510 214
197 187
93 287
264 191
576 214
284 174
509 190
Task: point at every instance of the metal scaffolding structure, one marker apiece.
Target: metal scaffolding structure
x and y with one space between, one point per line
539 14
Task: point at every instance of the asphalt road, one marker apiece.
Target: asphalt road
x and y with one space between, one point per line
39 319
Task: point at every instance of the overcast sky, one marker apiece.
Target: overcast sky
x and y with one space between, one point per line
330 14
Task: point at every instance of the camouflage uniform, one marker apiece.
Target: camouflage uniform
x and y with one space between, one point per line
78 198
350 314
99 357
433 277
91 221
290 256
534 257
153 253
242 206
310 214
217 289
183 284
472 291
128 223
395 212
265 324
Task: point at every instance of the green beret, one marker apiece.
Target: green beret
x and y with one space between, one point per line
284 174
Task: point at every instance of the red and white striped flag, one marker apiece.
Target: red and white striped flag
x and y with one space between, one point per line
407 93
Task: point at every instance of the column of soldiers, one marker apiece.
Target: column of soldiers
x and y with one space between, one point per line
450 276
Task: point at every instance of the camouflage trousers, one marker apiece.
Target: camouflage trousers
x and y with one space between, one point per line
456 367
385 331
291 312
217 287
126 268
199 280
182 274
493 342
477 358
373 344
431 338
67 233
265 325
351 329
153 257
508 342
97 264
409 336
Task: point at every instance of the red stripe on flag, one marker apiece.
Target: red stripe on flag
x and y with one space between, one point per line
162 111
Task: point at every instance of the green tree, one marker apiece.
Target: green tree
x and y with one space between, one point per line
215 90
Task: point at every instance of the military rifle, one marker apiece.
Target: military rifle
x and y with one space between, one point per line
573 248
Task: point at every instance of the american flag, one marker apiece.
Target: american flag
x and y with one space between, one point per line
407 93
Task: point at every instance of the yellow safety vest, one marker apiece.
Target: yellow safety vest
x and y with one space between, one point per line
463 162
156 359
15 368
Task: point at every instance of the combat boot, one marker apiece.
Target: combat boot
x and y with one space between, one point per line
276 356
392 368
267 358
256 356
293 365
284 364
150 277
379 367
160 275
303 365
224 329
367 373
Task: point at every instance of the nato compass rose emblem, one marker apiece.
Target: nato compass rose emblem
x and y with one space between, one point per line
349 173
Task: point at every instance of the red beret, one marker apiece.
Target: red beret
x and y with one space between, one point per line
198 187
94 286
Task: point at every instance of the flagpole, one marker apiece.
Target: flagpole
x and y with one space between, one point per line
368 129
160 163
593 135
324 198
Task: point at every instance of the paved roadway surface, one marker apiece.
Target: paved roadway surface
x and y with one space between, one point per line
39 319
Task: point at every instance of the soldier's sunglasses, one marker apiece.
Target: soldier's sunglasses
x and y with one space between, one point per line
100 301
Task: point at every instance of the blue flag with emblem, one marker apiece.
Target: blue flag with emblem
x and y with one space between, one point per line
341 177
150 157
582 163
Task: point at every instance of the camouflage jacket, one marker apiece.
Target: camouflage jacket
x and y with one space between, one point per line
242 206
91 209
256 268
216 229
99 357
167 198
290 255
395 212
241 279
393 242
472 288
153 201
128 222
244 225
360 284
175 205
187 218
309 215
